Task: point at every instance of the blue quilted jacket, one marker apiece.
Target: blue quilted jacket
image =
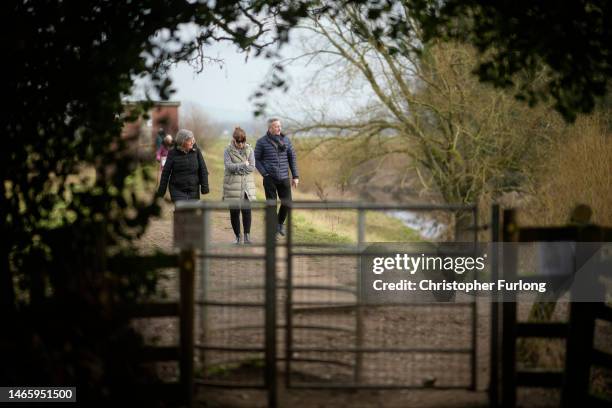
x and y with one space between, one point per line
271 160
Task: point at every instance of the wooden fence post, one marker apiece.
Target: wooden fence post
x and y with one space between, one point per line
578 354
495 315
186 308
473 358
508 391
361 239
270 312
579 346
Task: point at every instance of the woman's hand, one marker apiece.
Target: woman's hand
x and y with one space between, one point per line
163 197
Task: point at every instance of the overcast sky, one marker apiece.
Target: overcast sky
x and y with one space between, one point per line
223 91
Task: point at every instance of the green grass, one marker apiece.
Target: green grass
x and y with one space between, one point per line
383 228
305 232
214 162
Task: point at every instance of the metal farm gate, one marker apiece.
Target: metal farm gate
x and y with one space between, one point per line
335 338
293 310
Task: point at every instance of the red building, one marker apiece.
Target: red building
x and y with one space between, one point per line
164 114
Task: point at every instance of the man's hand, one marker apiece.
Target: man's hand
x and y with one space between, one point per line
295 182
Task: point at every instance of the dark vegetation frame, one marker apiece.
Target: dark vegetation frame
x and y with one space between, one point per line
70 66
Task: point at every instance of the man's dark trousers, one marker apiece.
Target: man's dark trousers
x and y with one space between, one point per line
278 189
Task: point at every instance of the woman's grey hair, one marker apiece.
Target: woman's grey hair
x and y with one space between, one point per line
272 120
182 136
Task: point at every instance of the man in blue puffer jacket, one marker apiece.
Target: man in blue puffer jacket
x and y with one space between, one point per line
274 157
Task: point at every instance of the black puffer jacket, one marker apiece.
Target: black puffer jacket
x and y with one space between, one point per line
186 173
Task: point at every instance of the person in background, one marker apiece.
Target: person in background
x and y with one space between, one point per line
162 154
274 157
185 170
161 134
239 183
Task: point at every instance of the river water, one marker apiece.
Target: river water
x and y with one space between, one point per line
427 227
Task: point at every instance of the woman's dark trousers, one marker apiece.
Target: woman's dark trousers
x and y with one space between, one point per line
246 217
246 220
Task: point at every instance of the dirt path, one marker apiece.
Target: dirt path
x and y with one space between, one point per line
159 233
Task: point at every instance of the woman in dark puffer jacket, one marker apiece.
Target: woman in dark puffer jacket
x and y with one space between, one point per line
185 170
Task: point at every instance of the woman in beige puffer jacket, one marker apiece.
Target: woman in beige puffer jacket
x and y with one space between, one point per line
239 183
